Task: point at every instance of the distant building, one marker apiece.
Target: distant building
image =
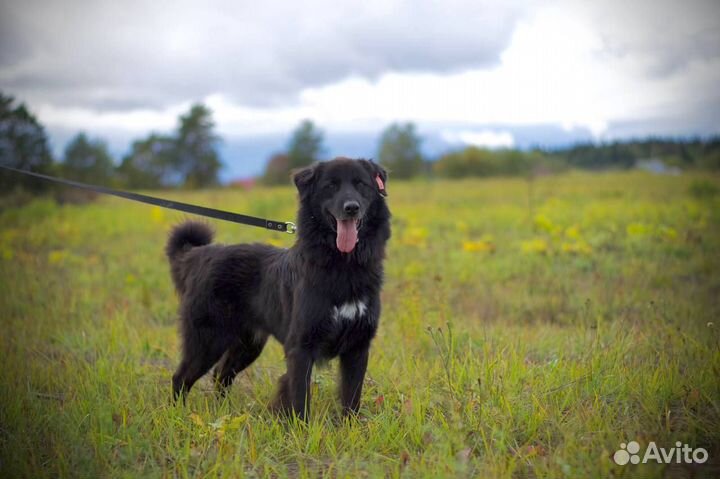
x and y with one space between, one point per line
244 183
657 166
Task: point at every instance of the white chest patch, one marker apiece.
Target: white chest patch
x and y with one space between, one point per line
349 311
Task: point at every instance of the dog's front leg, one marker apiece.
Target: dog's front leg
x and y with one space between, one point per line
297 381
353 365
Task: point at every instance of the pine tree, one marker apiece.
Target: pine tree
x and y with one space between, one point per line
197 159
88 161
23 145
399 150
305 145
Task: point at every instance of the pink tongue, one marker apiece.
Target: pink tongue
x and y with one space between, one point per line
346 235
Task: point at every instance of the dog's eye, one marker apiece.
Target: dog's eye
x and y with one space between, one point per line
358 182
332 185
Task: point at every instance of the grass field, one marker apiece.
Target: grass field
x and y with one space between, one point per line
528 329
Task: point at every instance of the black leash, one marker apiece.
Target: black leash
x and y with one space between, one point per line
282 226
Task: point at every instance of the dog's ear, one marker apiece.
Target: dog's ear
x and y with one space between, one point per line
305 177
379 175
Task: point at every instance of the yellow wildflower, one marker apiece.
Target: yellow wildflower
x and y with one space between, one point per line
668 232
57 256
483 245
576 247
415 237
157 214
573 232
543 223
276 242
537 245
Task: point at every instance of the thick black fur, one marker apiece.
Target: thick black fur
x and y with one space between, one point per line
232 298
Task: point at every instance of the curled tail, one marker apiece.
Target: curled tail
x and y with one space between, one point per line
187 235
182 238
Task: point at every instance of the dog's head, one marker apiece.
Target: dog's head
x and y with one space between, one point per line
343 196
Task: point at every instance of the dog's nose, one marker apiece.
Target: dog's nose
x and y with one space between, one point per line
351 207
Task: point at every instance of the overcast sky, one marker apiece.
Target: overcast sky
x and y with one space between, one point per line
468 72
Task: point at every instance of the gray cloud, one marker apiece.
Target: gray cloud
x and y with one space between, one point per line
122 56
126 54
662 36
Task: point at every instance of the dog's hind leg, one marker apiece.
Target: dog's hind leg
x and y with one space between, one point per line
239 356
200 352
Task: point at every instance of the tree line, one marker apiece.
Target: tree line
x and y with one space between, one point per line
399 151
685 154
188 157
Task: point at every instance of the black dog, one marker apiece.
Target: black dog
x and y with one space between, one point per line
320 298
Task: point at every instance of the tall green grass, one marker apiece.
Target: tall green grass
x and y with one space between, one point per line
528 329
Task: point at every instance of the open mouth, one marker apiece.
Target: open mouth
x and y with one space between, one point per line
346 233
